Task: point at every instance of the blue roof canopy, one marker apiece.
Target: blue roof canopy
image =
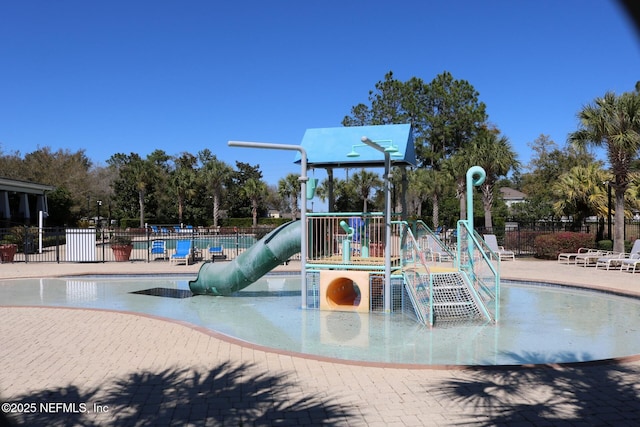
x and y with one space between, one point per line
342 147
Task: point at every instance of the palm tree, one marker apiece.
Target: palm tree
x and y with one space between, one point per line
455 167
184 181
322 191
343 195
254 190
289 189
580 192
346 197
613 122
418 189
494 154
364 182
435 184
142 174
216 174
632 196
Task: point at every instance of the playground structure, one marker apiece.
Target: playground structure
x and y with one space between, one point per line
376 261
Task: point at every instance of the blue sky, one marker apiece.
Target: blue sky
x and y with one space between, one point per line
135 76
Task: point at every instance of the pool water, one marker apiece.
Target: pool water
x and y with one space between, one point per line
538 324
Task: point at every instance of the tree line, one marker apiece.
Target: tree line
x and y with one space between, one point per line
451 131
157 189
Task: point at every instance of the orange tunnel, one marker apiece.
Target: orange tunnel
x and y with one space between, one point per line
344 290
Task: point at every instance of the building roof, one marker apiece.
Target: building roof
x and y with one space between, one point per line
19 186
512 194
342 147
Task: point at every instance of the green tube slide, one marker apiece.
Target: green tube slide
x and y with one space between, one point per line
224 278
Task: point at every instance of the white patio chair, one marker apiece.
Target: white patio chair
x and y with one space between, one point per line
492 243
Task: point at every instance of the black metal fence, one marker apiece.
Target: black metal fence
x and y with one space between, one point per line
31 244
520 238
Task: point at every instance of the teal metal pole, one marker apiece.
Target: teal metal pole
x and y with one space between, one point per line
475 177
346 243
304 242
387 221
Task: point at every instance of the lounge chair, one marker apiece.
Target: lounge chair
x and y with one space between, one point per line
633 260
158 247
611 260
183 251
590 258
622 260
217 253
492 243
630 263
436 250
154 229
570 257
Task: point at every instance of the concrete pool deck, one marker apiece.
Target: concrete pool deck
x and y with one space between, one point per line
126 368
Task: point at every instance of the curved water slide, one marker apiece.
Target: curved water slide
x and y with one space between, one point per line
224 278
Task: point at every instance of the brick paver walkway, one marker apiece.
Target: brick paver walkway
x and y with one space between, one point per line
96 367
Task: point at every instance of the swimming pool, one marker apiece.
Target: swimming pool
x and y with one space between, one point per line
229 242
539 324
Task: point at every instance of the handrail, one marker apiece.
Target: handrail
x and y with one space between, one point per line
469 244
407 233
409 243
474 294
419 224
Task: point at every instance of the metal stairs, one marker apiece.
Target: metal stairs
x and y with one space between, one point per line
452 297
449 296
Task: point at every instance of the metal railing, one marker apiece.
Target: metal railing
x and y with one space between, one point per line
416 275
457 293
481 265
53 244
350 239
520 237
326 238
434 248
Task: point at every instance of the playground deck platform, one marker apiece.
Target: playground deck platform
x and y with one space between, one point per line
356 260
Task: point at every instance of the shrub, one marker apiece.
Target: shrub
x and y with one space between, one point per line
628 245
120 240
49 241
83 223
129 222
605 245
23 237
548 246
13 236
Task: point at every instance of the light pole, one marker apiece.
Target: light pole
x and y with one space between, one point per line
99 203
